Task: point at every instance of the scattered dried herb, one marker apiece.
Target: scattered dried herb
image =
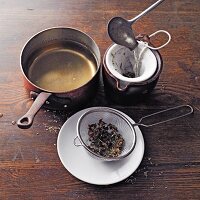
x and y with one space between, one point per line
13 122
105 139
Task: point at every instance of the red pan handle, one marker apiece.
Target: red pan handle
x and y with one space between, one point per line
27 120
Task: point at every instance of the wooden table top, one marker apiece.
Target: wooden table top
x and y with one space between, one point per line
29 164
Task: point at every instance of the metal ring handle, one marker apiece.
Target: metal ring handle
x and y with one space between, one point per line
75 144
155 33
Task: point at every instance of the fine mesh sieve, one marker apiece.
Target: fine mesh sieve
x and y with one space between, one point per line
124 126
109 116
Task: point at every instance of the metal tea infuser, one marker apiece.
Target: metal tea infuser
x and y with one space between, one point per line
124 126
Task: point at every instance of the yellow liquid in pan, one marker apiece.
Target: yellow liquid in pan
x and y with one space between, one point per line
62 69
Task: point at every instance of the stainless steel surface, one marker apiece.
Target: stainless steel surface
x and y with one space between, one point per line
120 30
52 36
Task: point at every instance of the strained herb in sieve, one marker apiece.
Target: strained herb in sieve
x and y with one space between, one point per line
105 139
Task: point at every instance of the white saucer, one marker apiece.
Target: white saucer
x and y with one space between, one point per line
81 165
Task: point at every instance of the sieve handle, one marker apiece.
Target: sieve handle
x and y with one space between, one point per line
177 108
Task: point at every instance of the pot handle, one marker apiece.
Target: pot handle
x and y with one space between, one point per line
27 120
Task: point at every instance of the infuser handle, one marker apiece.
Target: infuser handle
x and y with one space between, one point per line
163 45
178 108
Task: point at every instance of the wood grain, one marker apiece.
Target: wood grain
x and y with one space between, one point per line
29 163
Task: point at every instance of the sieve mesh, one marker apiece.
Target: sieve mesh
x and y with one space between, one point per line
109 116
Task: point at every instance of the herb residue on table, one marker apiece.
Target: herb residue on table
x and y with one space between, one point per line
105 139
